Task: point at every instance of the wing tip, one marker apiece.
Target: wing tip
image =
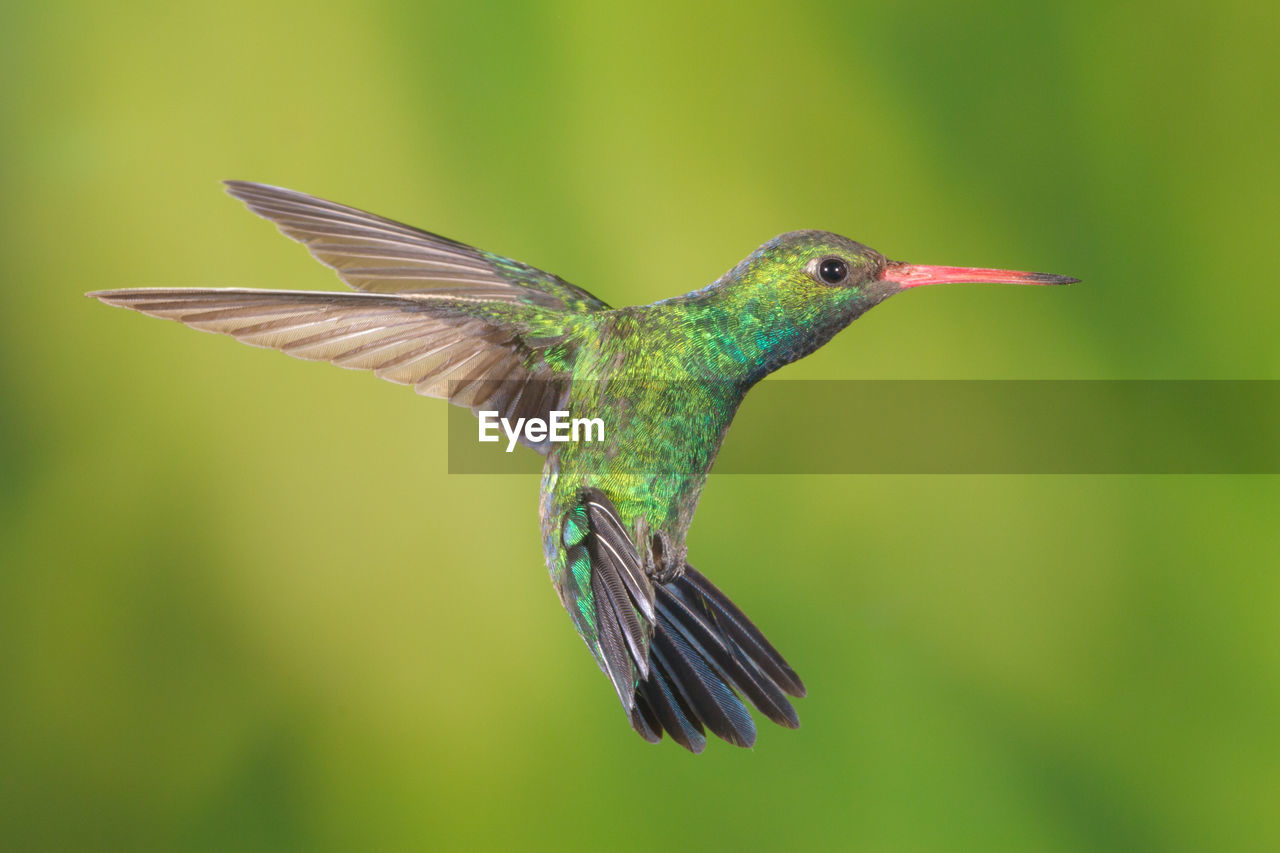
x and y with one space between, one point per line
235 186
252 193
115 298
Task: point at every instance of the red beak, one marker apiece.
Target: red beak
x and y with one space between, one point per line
916 275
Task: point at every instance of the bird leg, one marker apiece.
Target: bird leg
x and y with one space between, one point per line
663 559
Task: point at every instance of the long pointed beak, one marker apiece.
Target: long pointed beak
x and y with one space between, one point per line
917 275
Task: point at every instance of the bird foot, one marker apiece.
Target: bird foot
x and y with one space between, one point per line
664 560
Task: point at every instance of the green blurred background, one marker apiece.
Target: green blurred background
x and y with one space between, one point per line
243 606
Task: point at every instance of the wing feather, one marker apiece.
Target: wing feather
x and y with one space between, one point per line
431 341
451 320
379 255
613 537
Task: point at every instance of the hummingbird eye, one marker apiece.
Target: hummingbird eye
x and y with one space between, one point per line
833 270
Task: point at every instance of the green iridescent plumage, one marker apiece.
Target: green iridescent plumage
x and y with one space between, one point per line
491 333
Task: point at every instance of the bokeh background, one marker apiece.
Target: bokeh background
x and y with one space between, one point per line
244 607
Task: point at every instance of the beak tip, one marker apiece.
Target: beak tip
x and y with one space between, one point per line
1049 278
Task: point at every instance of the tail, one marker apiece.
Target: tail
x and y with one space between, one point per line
679 654
703 650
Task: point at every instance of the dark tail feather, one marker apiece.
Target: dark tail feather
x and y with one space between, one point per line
703 650
701 630
710 699
645 720
747 636
669 708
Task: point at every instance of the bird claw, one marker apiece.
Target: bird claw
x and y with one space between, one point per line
664 559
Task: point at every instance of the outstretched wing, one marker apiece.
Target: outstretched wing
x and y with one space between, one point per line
471 352
679 654
380 255
452 321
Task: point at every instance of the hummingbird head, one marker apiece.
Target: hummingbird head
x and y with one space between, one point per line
798 290
826 267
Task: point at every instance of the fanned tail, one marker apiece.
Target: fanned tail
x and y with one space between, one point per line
681 655
704 649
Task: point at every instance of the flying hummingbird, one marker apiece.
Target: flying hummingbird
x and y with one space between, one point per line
496 335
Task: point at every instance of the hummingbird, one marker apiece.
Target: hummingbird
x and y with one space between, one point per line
495 335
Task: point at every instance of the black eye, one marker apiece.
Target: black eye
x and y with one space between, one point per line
833 270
